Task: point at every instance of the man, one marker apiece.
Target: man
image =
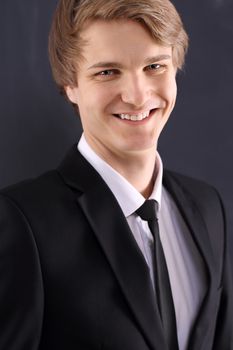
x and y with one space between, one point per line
79 262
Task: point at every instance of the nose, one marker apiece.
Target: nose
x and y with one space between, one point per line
136 91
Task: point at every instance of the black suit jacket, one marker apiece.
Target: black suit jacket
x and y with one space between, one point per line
73 277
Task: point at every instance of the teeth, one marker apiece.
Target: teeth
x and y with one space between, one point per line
135 117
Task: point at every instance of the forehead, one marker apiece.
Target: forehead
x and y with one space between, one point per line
119 40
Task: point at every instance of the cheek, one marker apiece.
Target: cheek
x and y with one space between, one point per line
93 106
98 97
173 93
170 92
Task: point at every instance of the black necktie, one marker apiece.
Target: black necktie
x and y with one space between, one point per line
162 284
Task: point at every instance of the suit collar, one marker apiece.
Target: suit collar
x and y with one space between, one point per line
77 172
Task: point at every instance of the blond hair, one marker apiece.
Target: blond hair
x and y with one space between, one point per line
159 17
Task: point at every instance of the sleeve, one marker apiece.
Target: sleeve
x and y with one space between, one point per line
21 287
224 326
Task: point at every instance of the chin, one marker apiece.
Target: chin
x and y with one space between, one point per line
141 147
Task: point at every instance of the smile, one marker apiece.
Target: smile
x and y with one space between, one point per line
134 117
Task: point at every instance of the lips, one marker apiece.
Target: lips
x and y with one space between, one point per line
134 117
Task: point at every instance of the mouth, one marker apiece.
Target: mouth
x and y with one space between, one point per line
135 117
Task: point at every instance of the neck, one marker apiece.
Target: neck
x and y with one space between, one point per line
138 169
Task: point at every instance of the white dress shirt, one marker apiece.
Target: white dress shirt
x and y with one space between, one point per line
184 263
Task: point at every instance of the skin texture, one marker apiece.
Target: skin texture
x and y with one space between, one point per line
124 71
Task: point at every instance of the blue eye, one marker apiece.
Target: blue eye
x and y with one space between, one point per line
106 72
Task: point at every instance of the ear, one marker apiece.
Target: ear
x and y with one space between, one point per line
72 93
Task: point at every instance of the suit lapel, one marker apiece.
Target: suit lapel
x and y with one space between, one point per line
198 230
116 240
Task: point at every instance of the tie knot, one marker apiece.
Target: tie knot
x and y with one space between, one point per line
148 210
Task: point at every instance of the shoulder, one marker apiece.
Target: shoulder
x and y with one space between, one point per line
34 197
200 196
199 190
38 187
187 181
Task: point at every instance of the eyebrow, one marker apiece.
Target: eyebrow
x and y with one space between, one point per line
157 58
119 65
106 65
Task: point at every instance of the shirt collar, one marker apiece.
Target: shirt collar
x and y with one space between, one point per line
127 196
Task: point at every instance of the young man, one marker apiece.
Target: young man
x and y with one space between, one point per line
81 267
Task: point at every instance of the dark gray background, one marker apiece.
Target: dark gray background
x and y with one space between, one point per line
37 125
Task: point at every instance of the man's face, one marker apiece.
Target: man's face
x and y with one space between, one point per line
126 88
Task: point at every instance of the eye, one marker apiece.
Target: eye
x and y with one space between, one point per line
157 67
154 66
106 73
